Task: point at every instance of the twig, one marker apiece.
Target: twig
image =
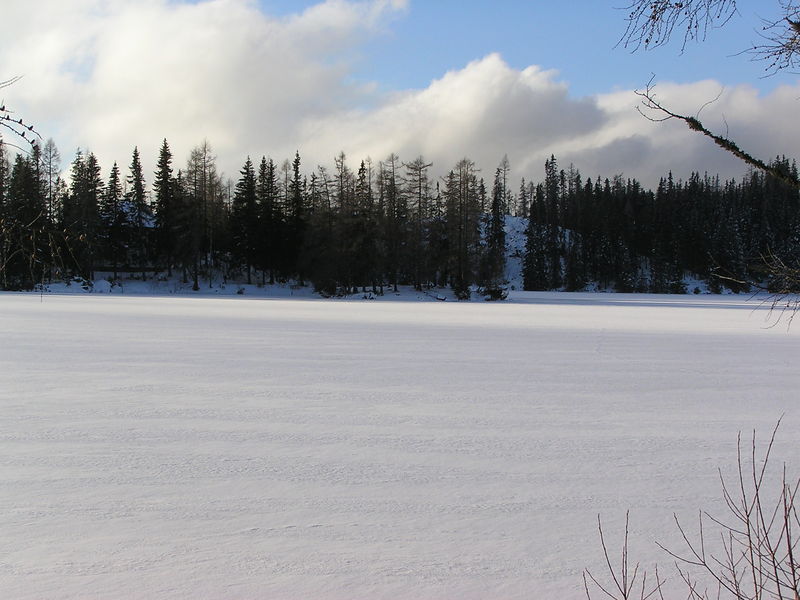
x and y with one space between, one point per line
650 103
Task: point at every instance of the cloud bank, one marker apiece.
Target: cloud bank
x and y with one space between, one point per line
108 75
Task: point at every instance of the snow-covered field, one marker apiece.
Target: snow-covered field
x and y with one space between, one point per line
174 447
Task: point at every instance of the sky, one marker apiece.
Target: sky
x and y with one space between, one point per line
440 78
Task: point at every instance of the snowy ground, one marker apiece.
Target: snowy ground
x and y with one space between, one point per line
178 447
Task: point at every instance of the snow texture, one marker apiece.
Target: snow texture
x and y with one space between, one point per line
180 447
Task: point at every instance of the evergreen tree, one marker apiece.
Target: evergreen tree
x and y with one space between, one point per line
366 249
5 170
23 235
349 230
270 220
437 243
5 224
187 230
535 266
244 219
553 213
166 209
494 280
81 214
727 247
139 214
523 200
115 230
296 219
463 226
575 278
321 249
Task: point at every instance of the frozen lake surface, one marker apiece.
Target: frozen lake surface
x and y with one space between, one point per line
181 447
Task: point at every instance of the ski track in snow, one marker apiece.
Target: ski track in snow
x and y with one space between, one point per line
252 448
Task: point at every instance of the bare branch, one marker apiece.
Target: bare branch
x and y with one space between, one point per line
18 127
652 23
651 104
755 558
625 582
780 49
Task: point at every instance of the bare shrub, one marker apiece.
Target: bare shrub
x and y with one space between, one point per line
750 553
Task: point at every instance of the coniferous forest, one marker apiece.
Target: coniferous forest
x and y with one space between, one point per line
371 226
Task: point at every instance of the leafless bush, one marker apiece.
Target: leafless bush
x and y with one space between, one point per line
624 584
777 289
783 289
750 554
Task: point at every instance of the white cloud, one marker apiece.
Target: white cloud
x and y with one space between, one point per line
108 75
488 109
111 75
765 126
484 111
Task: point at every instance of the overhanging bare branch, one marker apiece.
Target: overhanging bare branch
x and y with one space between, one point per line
652 23
651 104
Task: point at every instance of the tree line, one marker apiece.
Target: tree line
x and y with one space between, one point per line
385 224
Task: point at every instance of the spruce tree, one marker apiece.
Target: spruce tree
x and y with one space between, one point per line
24 226
166 209
553 211
187 230
320 256
139 214
244 219
270 221
297 219
114 230
366 248
574 265
494 280
535 266
81 214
